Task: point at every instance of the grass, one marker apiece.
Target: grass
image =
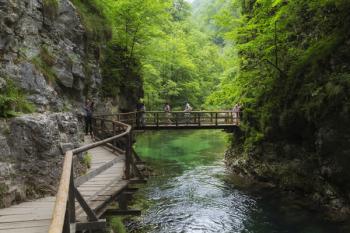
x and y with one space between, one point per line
87 160
117 225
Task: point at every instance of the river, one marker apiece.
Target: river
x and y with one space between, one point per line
190 191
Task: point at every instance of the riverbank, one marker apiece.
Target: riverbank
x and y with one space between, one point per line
292 173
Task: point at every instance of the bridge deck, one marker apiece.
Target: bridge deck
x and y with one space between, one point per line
35 216
185 126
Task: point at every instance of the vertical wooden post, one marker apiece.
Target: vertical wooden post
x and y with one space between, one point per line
199 119
66 224
71 197
211 117
157 116
123 202
216 118
128 155
114 143
176 119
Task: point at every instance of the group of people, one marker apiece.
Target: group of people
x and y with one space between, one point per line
187 110
141 112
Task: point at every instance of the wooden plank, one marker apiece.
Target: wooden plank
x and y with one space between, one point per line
22 211
22 218
25 224
79 181
39 229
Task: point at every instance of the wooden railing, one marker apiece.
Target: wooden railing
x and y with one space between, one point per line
176 118
64 219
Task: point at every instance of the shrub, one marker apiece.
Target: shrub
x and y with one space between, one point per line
13 101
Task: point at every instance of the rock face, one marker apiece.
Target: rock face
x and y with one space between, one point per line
32 148
42 48
294 171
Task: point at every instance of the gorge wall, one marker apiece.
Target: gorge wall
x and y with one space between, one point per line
295 130
46 56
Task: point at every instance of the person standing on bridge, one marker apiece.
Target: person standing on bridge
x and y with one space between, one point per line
88 108
167 110
142 114
187 111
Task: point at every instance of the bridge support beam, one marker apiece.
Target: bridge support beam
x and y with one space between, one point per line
118 212
91 226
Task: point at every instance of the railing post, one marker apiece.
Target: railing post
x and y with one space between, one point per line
211 117
199 119
157 116
114 143
128 155
70 211
176 119
216 118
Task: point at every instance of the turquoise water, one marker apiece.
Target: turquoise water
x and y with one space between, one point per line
190 191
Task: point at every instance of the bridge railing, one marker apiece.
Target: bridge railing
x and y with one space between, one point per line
177 118
63 218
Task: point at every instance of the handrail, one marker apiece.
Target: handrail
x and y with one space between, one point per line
62 196
60 207
131 113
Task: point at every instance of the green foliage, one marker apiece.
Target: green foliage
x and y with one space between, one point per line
13 101
50 8
312 52
152 43
117 225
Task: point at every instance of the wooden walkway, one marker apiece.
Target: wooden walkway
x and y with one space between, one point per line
35 216
82 203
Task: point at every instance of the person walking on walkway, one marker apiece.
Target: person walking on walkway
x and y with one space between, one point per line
167 110
187 111
88 108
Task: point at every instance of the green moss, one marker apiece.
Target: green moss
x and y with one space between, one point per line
50 8
44 62
95 23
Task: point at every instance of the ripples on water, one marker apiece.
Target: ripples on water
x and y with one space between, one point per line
189 194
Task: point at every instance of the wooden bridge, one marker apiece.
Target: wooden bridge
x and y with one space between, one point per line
157 120
83 202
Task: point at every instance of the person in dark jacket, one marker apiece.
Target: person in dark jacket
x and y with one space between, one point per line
88 108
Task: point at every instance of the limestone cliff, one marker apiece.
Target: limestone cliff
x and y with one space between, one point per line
45 53
42 48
